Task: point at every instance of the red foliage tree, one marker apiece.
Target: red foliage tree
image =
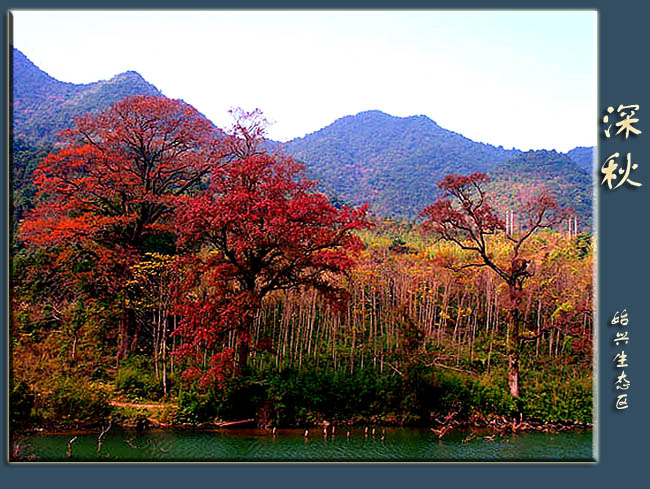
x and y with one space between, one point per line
113 180
113 183
464 216
266 229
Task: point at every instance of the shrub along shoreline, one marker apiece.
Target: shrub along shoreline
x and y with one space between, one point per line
419 397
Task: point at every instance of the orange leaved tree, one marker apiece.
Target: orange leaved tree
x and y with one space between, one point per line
464 216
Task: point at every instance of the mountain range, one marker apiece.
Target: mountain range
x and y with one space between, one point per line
392 163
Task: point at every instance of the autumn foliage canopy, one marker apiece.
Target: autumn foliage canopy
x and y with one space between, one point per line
262 227
114 180
246 222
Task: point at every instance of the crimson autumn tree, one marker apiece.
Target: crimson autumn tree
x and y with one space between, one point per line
110 190
464 216
262 228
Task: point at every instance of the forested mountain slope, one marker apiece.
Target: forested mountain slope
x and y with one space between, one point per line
393 163
43 106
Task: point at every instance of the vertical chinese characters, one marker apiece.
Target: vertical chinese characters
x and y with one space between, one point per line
621 359
625 125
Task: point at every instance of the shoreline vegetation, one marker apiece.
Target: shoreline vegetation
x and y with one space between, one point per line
138 418
442 401
165 273
441 425
141 417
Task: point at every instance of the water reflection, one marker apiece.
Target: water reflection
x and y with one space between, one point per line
385 444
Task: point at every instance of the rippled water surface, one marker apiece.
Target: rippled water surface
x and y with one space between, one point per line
291 445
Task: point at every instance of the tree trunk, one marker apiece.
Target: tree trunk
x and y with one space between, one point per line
133 325
513 340
156 342
73 356
242 353
513 374
512 349
164 354
123 338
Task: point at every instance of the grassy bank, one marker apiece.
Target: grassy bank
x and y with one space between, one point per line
419 396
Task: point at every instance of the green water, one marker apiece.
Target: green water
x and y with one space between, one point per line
291 445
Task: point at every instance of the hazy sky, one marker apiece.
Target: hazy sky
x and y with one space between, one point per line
524 79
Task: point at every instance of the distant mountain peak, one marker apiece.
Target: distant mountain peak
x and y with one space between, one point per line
43 105
379 114
20 58
371 112
130 74
584 157
27 71
543 155
393 163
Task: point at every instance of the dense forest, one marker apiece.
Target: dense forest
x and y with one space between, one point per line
569 184
166 271
159 260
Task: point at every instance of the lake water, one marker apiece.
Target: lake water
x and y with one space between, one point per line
229 445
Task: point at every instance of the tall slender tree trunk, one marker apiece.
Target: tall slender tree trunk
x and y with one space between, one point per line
134 325
513 345
512 348
73 356
123 335
163 346
243 350
156 342
513 373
